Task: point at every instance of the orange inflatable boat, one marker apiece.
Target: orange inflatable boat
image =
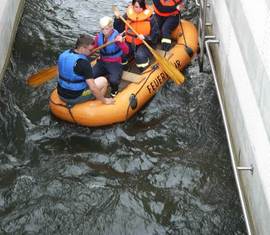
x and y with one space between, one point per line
135 89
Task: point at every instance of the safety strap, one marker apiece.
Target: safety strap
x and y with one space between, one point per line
109 54
70 81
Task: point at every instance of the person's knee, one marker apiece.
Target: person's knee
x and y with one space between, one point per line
101 82
140 55
115 79
168 27
166 32
116 74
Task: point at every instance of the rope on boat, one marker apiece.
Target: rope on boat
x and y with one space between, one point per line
154 67
68 106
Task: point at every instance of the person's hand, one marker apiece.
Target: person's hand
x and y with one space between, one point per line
119 38
140 36
109 101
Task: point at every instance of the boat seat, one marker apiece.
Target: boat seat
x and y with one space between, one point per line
132 77
167 53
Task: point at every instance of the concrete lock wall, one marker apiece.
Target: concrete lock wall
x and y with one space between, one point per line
243 61
10 13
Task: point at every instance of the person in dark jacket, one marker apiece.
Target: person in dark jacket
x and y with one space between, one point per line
76 83
110 60
167 17
139 16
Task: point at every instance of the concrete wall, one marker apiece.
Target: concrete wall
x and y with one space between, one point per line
10 12
243 62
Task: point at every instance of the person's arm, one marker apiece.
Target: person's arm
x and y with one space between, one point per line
121 44
96 42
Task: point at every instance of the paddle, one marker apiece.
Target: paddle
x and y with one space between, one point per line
166 65
50 73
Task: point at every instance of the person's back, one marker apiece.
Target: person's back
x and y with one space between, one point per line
75 82
70 84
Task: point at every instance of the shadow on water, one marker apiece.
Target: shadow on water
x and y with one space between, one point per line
165 171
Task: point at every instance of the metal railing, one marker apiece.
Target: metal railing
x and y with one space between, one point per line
233 158
204 43
201 29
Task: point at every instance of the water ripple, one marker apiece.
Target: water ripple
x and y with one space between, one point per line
165 171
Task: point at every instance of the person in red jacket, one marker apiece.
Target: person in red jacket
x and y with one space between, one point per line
167 17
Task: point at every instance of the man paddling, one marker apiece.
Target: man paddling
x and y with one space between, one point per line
76 83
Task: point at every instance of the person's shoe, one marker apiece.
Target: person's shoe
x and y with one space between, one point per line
125 64
166 46
141 69
113 93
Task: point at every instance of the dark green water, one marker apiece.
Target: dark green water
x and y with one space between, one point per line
165 171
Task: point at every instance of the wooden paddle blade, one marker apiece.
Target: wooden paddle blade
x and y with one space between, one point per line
169 68
116 11
42 76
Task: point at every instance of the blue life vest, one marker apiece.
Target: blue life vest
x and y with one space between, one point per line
68 79
111 50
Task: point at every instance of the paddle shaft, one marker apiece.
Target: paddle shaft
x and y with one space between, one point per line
104 45
168 67
49 73
134 31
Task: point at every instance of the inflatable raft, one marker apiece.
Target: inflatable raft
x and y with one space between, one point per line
135 89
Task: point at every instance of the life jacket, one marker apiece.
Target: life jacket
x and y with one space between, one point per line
68 79
140 22
111 50
167 3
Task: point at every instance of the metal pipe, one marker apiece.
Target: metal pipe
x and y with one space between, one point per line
243 204
210 37
202 21
201 3
246 168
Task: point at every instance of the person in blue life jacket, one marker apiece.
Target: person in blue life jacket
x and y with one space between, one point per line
167 16
109 63
76 83
140 16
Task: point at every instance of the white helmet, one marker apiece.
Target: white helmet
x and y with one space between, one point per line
105 21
